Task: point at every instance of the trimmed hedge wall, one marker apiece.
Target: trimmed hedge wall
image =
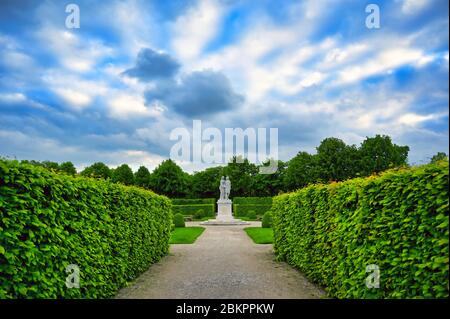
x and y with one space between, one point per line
398 221
193 201
242 205
252 201
209 209
242 210
48 221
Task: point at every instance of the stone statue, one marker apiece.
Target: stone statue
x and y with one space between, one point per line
222 188
227 188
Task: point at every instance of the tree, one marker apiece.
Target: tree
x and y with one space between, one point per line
97 170
301 171
142 177
268 184
205 183
51 165
379 153
241 171
336 161
123 174
68 168
440 156
170 180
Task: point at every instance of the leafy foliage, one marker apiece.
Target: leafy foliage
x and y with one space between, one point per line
398 221
169 179
142 177
123 174
193 201
243 206
267 220
439 156
191 209
68 168
97 170
178 220
48 221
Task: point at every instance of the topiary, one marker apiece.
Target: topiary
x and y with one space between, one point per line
199 214
178 220
251 214
267 220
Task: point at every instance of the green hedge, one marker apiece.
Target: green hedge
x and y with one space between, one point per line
48 221
242 205
252 201
209 209
242 210
193 201
398 221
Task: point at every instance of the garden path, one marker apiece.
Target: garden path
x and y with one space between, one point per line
223 263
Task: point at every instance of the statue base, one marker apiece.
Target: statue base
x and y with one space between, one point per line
224 215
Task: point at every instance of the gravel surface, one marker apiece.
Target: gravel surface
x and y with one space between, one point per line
223 263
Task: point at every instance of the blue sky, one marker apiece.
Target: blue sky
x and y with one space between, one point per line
115 88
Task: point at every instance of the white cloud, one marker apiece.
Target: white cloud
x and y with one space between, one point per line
412 119
73 52
123 106
77 99
391 58
196 28
413 6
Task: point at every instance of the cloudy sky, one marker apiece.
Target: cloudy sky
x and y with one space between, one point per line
115 88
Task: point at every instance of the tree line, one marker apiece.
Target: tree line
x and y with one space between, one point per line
334 160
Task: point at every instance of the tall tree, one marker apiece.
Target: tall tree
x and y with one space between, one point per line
51 165
336 161
268 184
142 177
68 168
240 171
301 171
205 183
440 156
123 174
379 153
170 180
97 170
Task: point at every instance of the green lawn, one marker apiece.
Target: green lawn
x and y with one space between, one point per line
260 235
185 235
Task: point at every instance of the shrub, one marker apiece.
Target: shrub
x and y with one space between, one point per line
48 221
397 221
193 201
242 210
178 220
251 214
267 220
199 214
191 209
242 205
252 201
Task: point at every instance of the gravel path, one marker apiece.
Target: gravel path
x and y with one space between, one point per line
223 263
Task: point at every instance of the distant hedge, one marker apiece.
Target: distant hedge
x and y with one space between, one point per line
252 201
243 210
243 205
209 209
48 221
398 221
193 201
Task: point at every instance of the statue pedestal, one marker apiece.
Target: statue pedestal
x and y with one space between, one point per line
224 215
224 208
